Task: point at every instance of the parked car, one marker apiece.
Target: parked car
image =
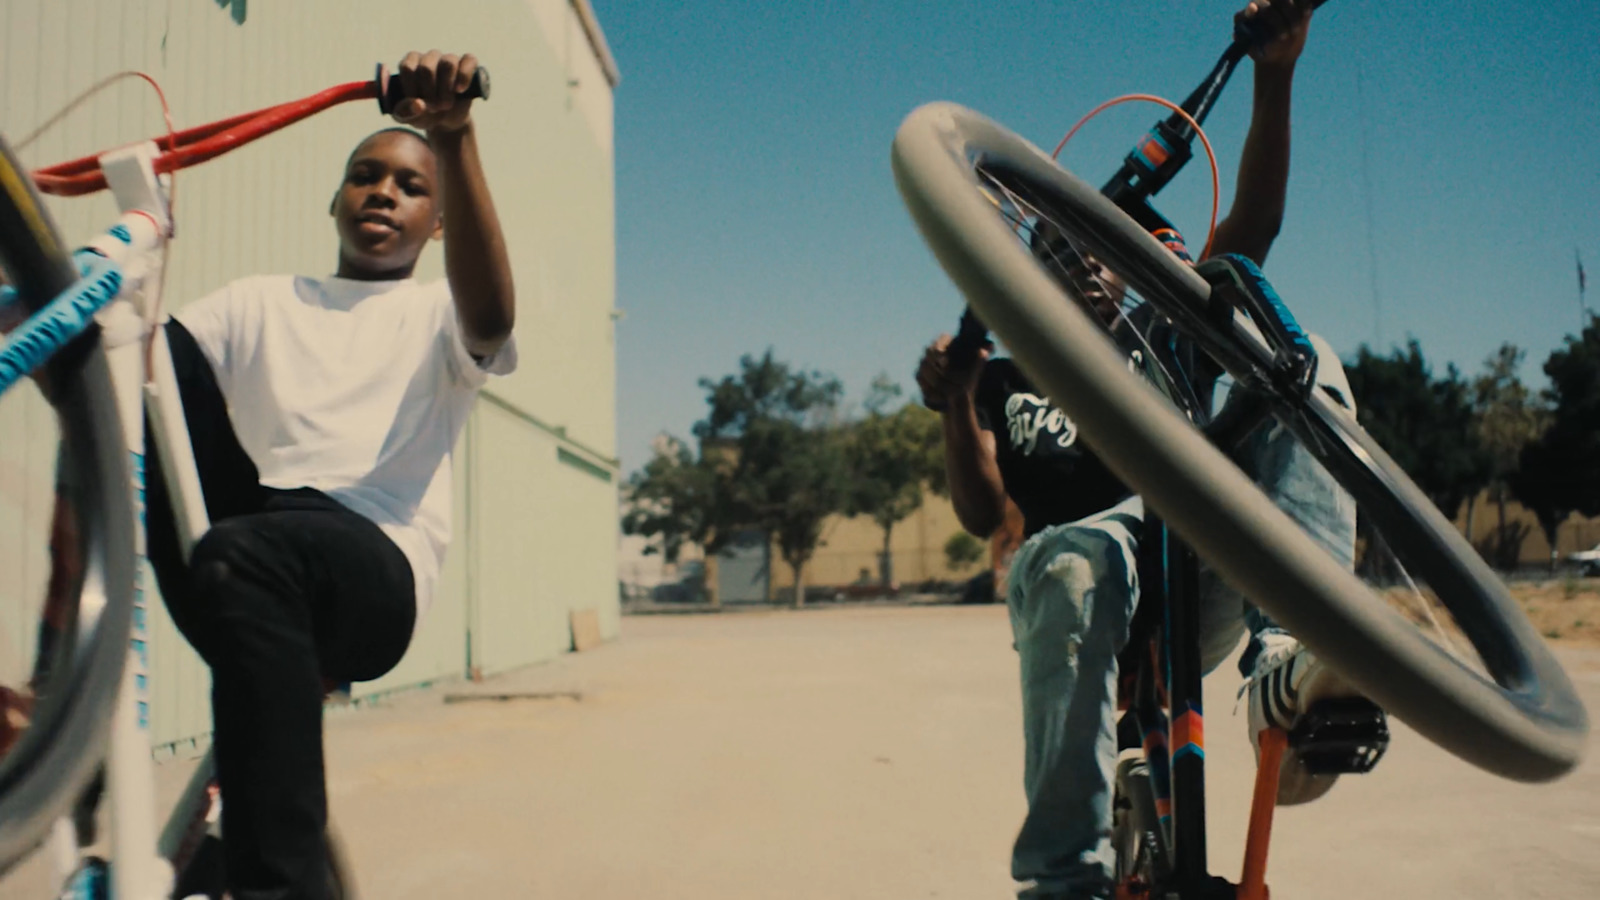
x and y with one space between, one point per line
1588 560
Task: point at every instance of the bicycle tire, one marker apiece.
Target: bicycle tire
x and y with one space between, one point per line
58 753
1527 723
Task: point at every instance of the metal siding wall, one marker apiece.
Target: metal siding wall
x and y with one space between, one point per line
545 536
264 209
515 523
438 647
586 575
566 280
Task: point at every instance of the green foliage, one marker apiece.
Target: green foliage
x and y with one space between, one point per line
1509 416
779 427
1509 419
678 499
882 450
766 390
962 550
891 457
1425 423
769 458
792 479
1560 472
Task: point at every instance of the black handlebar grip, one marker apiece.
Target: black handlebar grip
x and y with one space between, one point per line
1254 34
390 93
971 338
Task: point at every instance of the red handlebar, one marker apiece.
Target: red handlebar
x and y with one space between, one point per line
196 145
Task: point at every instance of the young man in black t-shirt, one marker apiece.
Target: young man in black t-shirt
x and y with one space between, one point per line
1073 584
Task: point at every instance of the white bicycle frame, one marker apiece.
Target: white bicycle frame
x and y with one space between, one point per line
138 858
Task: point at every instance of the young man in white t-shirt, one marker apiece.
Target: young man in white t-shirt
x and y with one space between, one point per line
322 413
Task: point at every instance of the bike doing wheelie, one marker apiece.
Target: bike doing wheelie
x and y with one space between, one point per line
1093 294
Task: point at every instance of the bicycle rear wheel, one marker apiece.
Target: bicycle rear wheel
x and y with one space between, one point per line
1522 719
57 754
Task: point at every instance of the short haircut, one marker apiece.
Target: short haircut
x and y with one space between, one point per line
393 129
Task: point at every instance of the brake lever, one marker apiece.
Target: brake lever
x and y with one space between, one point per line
1237 283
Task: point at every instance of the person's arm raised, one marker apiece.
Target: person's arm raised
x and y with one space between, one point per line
475 259
976 489
1256 216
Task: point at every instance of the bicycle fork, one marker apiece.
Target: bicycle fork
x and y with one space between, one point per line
140 871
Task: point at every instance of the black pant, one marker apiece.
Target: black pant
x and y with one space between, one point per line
286 588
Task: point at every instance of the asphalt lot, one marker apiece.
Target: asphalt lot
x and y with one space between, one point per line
851 753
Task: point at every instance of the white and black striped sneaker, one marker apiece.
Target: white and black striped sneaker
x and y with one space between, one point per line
1288 680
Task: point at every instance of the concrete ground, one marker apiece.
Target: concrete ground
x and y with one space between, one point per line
851 753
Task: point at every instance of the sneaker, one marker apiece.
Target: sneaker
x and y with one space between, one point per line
1287 681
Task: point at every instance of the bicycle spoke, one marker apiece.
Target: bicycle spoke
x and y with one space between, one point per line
1082 282
1136 322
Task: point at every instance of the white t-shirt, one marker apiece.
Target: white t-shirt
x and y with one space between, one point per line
356 388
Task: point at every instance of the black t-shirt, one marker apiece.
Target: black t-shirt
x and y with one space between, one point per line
1048 471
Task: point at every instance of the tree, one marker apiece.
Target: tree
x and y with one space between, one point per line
1425 424
764 390
668 500
796 481
962 550
1509 418
1560 473
1574 433
785 453
680 499
1539 484
891 457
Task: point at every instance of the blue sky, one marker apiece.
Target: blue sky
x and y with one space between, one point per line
756 207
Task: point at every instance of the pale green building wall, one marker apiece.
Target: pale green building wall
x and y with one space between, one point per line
535 522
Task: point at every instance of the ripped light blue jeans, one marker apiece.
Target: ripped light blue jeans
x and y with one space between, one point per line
1072 592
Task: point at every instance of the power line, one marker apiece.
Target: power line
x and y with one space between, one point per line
1366 195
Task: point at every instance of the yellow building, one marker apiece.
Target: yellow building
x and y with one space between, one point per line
852 546
1574 534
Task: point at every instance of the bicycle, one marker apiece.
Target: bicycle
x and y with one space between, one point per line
999 215
93 330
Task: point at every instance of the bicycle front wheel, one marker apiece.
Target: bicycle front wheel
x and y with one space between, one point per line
973 187
57 754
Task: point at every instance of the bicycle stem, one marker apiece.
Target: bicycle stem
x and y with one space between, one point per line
1169 144
1147 168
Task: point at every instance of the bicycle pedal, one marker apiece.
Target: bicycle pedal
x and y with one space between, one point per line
1347 735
